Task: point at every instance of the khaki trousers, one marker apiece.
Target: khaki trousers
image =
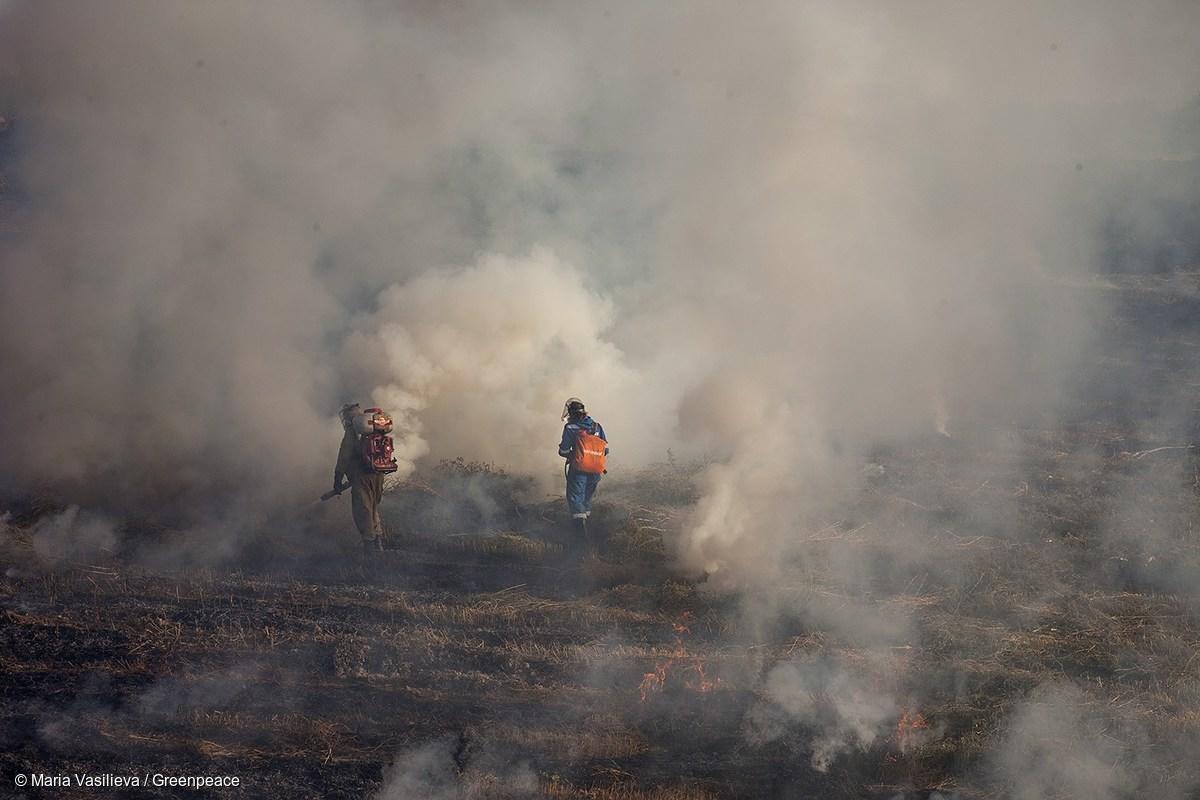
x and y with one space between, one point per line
366 491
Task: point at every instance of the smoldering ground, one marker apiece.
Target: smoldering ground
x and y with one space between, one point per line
802 243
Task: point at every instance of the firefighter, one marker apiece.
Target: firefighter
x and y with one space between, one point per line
366 485
585 448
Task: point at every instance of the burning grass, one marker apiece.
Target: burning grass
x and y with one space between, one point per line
615 677
601 691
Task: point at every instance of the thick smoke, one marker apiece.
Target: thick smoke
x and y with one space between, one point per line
439 346
778 237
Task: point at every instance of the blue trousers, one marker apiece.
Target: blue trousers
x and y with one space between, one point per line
580 488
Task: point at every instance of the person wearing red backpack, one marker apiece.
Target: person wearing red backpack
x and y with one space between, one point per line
585 448
364 458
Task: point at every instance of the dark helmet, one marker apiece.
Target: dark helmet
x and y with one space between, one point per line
573 408
347 413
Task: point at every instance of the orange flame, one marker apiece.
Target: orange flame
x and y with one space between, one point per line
678 662
653 682
910 730
702 683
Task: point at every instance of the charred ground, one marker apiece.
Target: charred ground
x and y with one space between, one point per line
477 657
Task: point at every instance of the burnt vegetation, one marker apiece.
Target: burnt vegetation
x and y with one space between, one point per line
481 656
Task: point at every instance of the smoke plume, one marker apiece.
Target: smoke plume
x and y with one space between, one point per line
778 237
846 712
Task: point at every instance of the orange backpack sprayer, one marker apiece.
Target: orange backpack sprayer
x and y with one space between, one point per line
589 453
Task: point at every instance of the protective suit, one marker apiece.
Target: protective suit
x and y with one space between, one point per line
580 485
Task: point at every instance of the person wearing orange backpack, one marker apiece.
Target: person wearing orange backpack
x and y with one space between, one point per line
585 447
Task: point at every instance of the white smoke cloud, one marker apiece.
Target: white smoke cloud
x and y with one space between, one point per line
1053 749
776 237
477 360
842 710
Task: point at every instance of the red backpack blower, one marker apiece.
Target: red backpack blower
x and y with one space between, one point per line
375 445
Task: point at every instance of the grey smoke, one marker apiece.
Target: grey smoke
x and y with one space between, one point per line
775 237
426 771
841 709
1054 748
216 689
73 533
437 770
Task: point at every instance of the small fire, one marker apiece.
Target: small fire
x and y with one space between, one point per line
680 664
689 668
653 682
911 731
702 683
